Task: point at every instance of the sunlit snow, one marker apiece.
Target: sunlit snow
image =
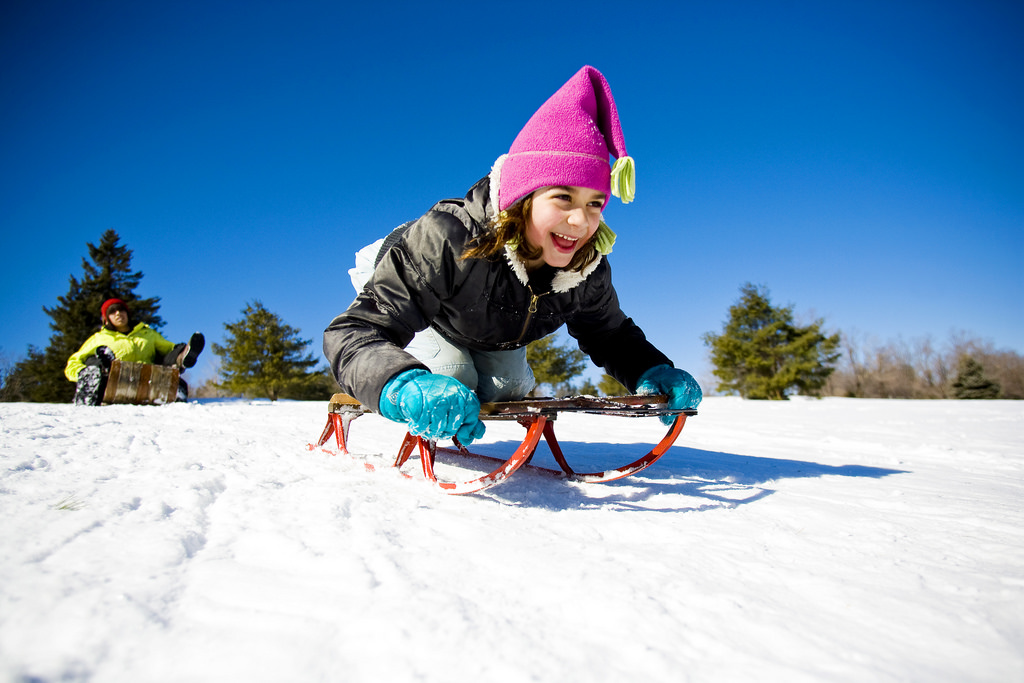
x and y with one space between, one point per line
839 540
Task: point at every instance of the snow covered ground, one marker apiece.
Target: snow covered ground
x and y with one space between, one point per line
838 540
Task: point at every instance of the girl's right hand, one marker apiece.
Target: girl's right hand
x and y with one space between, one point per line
433 406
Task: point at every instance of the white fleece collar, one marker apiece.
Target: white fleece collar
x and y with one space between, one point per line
563 281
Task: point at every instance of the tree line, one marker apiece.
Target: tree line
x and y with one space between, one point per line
760 353
964 367
262 356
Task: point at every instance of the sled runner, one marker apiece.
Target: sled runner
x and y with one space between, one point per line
141 383
537 416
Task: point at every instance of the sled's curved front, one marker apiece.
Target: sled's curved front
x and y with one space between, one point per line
428 454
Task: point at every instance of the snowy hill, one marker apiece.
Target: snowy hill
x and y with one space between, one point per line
839 540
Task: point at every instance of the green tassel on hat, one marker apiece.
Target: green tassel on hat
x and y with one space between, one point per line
624 179
604 239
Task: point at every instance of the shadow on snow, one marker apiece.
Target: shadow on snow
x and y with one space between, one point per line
683 479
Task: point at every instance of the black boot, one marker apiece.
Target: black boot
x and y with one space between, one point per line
182 396
192 350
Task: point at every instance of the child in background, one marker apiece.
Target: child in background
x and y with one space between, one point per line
448 302
119 339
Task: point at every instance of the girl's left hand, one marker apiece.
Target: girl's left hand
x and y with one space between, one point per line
680 386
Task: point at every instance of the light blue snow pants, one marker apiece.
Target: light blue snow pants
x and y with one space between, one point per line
493 375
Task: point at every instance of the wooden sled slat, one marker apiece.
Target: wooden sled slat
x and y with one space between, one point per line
141 383
626 406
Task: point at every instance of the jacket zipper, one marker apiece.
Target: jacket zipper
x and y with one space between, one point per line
530 311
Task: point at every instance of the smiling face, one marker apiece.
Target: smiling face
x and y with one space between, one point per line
562 219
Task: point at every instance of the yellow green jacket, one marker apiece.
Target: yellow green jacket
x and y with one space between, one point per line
141 345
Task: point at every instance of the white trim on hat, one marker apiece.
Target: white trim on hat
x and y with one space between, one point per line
495 184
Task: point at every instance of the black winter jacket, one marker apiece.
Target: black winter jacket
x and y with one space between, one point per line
482 304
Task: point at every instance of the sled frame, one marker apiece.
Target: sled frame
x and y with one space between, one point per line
538 417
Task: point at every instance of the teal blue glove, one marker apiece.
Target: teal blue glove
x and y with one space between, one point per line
434 406
680 386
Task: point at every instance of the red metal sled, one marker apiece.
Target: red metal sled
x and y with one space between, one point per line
537 416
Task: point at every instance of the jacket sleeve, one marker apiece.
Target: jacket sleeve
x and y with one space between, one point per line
77 360
612 340
364 345
162 345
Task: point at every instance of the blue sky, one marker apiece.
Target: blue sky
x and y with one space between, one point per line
860 159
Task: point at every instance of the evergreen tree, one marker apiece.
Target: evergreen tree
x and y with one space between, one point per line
971 381
610 386
320 386
263 356
762 354
552 364
40 376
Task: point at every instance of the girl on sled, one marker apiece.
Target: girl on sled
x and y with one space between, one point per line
447 303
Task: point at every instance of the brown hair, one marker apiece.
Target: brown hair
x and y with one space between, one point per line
509 227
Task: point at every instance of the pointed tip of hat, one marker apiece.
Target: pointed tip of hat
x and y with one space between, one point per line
567 140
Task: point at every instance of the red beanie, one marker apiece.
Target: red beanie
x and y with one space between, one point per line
107 304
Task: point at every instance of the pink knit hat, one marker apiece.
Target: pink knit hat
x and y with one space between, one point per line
567 142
